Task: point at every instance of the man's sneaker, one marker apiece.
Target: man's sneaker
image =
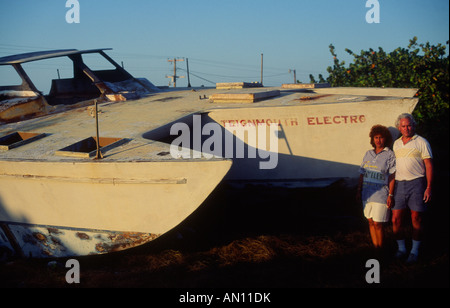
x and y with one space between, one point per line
400 254
412 258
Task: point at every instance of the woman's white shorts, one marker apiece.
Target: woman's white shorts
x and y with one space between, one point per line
377 211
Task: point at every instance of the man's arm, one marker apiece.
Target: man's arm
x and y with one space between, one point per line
390 199
429 175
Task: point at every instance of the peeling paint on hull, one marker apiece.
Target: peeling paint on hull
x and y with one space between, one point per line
36 241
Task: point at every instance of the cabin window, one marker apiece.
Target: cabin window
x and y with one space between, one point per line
55 68
18 139
9 77
96 62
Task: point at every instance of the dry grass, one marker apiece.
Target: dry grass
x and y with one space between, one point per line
260 238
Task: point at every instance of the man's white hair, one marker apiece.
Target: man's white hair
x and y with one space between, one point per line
405 116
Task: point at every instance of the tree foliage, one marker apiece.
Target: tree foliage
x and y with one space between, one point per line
421 66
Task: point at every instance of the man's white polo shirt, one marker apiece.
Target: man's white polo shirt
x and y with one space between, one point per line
410 156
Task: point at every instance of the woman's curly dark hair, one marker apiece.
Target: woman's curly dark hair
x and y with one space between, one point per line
383 131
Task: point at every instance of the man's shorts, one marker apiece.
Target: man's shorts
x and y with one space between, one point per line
409 194
378 212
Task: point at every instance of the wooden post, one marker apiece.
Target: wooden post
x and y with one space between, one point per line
99 154
262 69
174 76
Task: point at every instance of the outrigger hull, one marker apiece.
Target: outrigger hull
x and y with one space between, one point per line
317 143
61 209
316 139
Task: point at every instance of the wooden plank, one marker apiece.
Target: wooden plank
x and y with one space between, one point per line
237 85
97 180
242 97
363 91
305 85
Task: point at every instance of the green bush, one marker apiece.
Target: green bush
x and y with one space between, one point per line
422 66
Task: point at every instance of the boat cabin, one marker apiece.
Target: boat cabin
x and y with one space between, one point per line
24 100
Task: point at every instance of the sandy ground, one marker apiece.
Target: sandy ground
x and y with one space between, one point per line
263 238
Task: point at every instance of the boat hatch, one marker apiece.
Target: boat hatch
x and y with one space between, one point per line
87 148
243 97
18 139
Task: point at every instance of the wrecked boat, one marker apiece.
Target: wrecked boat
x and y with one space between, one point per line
91 178
72 184
18 102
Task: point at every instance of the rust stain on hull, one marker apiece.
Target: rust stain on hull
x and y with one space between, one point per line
23 108
124 240
21 240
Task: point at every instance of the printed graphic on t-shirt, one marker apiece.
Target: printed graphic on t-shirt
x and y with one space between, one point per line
406 152
374 177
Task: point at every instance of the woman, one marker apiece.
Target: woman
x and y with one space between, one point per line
376 182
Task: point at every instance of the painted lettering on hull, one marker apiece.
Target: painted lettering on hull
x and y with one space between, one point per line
314 120
336 120
258 122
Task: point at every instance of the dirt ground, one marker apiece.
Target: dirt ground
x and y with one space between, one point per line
259 238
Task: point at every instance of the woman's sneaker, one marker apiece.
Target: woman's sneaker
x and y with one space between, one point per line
412 258
400 254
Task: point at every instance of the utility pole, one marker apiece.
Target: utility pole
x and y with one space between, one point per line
174 76
261 69
187 67
295 75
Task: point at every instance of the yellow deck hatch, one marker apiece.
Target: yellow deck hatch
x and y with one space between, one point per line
87 148
18 139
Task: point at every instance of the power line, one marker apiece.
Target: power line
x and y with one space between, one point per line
190 72
230 76
223 76
221 66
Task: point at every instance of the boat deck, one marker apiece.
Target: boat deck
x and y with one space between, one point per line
130 121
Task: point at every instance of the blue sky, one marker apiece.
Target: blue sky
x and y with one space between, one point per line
223 40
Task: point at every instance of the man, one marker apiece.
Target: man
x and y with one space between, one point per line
413 184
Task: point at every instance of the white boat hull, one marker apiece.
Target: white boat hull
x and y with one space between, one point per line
81 208
317 144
